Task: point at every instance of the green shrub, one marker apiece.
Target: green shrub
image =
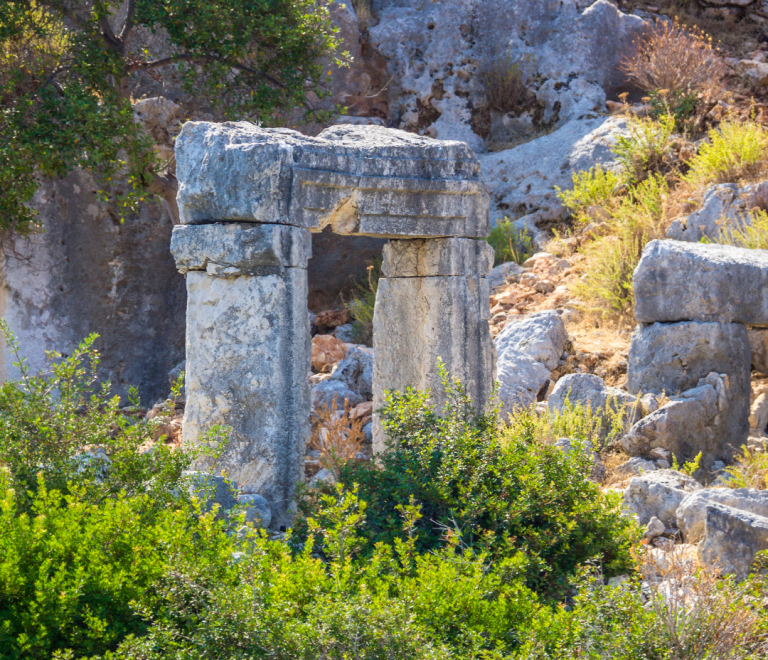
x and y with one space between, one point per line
363 303
500 491
750 232
678 104
67 428
592 189
645 149
510 243
395 603
734 150
610 260
70 567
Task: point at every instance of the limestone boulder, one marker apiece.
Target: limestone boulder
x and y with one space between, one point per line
634 467
692 512
356 372
327 351
678 281
332 392
732 538
527 352
590 391
257 509
658 494
503 272
726 206
697 421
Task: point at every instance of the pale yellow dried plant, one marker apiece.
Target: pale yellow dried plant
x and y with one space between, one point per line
336 436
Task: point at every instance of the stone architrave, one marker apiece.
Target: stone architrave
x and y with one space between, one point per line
361 180
432 304
248 350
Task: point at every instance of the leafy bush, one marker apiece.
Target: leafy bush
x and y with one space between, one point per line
678 104
679 613
510 243
67 429
500 491
734 150
592 192
750 232
645 149
610 260
749 470
70 566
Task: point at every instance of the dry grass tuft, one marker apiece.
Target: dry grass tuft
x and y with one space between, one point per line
336 436
504 79
699 613
671 57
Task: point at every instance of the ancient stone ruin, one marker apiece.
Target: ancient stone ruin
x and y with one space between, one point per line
696 306
248 199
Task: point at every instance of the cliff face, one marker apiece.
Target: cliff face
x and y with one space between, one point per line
88 273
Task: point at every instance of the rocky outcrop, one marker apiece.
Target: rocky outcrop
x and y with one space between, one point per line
658 494
527 352
732 538
725 207
698 421
692 512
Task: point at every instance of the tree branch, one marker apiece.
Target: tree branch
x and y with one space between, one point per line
128 25
202 59
102 16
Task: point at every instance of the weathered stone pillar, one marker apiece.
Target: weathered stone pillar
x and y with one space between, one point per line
433 304
248 350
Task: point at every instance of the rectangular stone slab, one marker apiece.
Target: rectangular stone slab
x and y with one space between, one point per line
248 355
426 257
419 320
240 248
678 281
362 180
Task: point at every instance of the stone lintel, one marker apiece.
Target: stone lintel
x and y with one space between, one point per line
437 257
361 180
232 249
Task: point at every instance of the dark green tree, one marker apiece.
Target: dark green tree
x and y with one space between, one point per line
67 68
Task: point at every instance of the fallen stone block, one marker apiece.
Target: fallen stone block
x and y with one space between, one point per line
658 494
697 421
591 391
732 538
678 281
363 180
692 512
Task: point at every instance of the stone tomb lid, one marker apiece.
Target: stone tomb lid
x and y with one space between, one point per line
362 180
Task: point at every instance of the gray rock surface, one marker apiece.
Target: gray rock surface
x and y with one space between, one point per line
658 494
758 345
527 352
499 274
327 391
700 420
590 390
257 509
248 354
678 281
420 320
674 358
352 379
436 53
732 538
692 512
634 467
364 180
522 180
726 206
212 489
437 256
